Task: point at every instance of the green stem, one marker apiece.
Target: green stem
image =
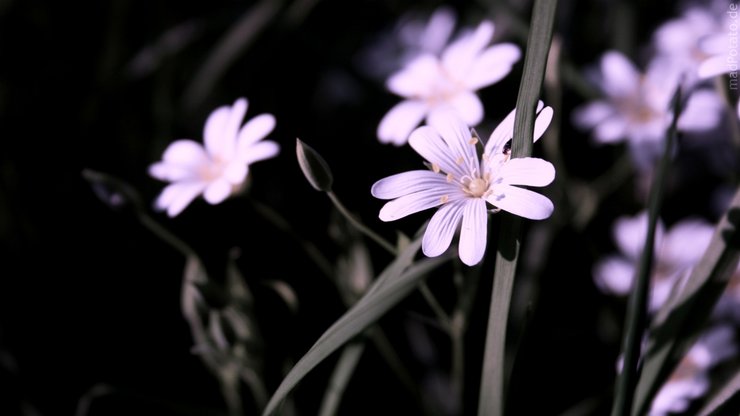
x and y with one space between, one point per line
360 226
283 225
637 309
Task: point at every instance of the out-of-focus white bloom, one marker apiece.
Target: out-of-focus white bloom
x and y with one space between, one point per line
431 83
676 251
636 106
690 380
415 33
460 183
219 168
680 40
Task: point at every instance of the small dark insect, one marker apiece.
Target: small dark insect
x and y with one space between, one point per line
507 148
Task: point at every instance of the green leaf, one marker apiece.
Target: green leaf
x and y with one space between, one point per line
679 323
636 320
340 377
491 397
392 286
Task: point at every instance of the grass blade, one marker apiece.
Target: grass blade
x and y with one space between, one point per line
394 284
492 392
679 323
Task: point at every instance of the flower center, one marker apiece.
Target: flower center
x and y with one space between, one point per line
476 187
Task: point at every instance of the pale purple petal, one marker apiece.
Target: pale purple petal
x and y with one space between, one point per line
542 122
406 183
235 172
400 121
222 127
675 395
173 173
468 107
418 201
702 111
620 76
492 65
439 29
460 55
505 129
610 130
521 202
441 228
630 233
417 78
261 151
591 114
217 191
614 275
185 152
428 143
456 134
473 232
255 130
503 132
684 243
175 197
528 171
713 66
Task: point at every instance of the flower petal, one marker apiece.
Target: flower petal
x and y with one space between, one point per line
520 201
441 228
185 152
589 115
530 171
685 242
235 172
492 65
505 129
175 197
613 275
630 232
255 130
417 77
468 107
702 111
398 123
460 55
456 134
222 128
418 201
473 232
620 76
406 183
713 66
261 151
217 191
428 143
611 130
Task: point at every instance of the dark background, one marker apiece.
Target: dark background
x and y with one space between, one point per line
89 297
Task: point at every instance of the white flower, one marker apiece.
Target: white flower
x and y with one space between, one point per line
221 167
430 83
680 39
461 184
636 106
689 380
676 251
415 33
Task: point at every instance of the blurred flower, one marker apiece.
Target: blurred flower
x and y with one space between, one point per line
413 34
690 379
431 84
676 251
636 106
679 40
460 183
221 167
